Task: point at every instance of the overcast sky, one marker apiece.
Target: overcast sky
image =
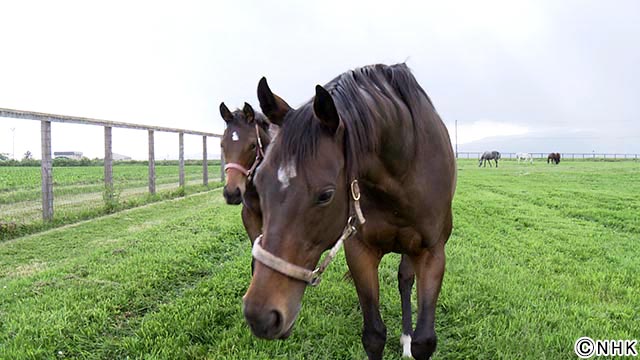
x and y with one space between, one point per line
527 75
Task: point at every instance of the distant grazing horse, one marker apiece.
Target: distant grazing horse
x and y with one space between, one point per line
368 147
553 158
487 156
244 143
524 157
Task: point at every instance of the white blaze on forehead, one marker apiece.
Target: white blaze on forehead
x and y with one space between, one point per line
234 136
286 172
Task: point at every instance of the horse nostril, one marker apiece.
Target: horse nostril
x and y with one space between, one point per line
276 320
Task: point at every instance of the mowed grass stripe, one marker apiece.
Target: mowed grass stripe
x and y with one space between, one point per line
77 239
610 198
98 280
535 287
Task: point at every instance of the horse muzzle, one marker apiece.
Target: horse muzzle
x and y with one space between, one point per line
268 319
232 197
265 323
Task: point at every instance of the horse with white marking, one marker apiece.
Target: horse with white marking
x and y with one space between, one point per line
244 143
367 162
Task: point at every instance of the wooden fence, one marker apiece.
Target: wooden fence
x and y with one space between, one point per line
47 161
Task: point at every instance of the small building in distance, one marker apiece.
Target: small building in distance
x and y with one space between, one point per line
73 155
120 157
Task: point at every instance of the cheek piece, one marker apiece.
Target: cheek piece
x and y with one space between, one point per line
313 277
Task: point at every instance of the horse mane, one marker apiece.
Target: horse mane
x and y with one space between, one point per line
366 98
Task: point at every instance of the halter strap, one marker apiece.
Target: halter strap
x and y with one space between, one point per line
236 166
300 273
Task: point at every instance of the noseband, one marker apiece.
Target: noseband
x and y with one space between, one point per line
259 156
298 272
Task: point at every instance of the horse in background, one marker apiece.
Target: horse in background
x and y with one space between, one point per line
244 142
524 157
487 156
553 158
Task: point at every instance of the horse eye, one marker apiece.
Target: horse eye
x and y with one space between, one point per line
253 146
325 197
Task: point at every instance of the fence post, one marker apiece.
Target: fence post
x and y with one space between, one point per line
46 169
222 164
152 165
108 159
181 159
205 165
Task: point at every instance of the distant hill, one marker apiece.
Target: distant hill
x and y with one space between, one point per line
573 143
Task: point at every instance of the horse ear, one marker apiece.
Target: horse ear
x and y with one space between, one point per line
225 113
248 113
272 105
325 109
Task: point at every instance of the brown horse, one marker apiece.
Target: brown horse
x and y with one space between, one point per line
554 158
369 146
244 143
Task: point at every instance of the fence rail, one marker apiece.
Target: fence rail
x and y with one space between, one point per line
47 161
564 156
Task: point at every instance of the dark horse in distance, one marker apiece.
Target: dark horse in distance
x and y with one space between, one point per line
554 158
368 153
487 156
244 143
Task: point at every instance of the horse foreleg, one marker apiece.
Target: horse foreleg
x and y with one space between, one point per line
406 277
363 264
429 268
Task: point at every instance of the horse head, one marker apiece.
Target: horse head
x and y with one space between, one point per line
243 143
304 199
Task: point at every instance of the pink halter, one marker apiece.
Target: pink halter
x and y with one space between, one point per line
236 166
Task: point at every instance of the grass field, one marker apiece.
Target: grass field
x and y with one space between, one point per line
78 191
23 183
540 256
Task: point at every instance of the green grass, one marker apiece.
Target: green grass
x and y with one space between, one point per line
540 256
20 183
78 192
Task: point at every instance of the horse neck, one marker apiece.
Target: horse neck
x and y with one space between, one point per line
402 146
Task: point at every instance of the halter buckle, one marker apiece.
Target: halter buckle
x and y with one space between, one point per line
315 277
355 190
